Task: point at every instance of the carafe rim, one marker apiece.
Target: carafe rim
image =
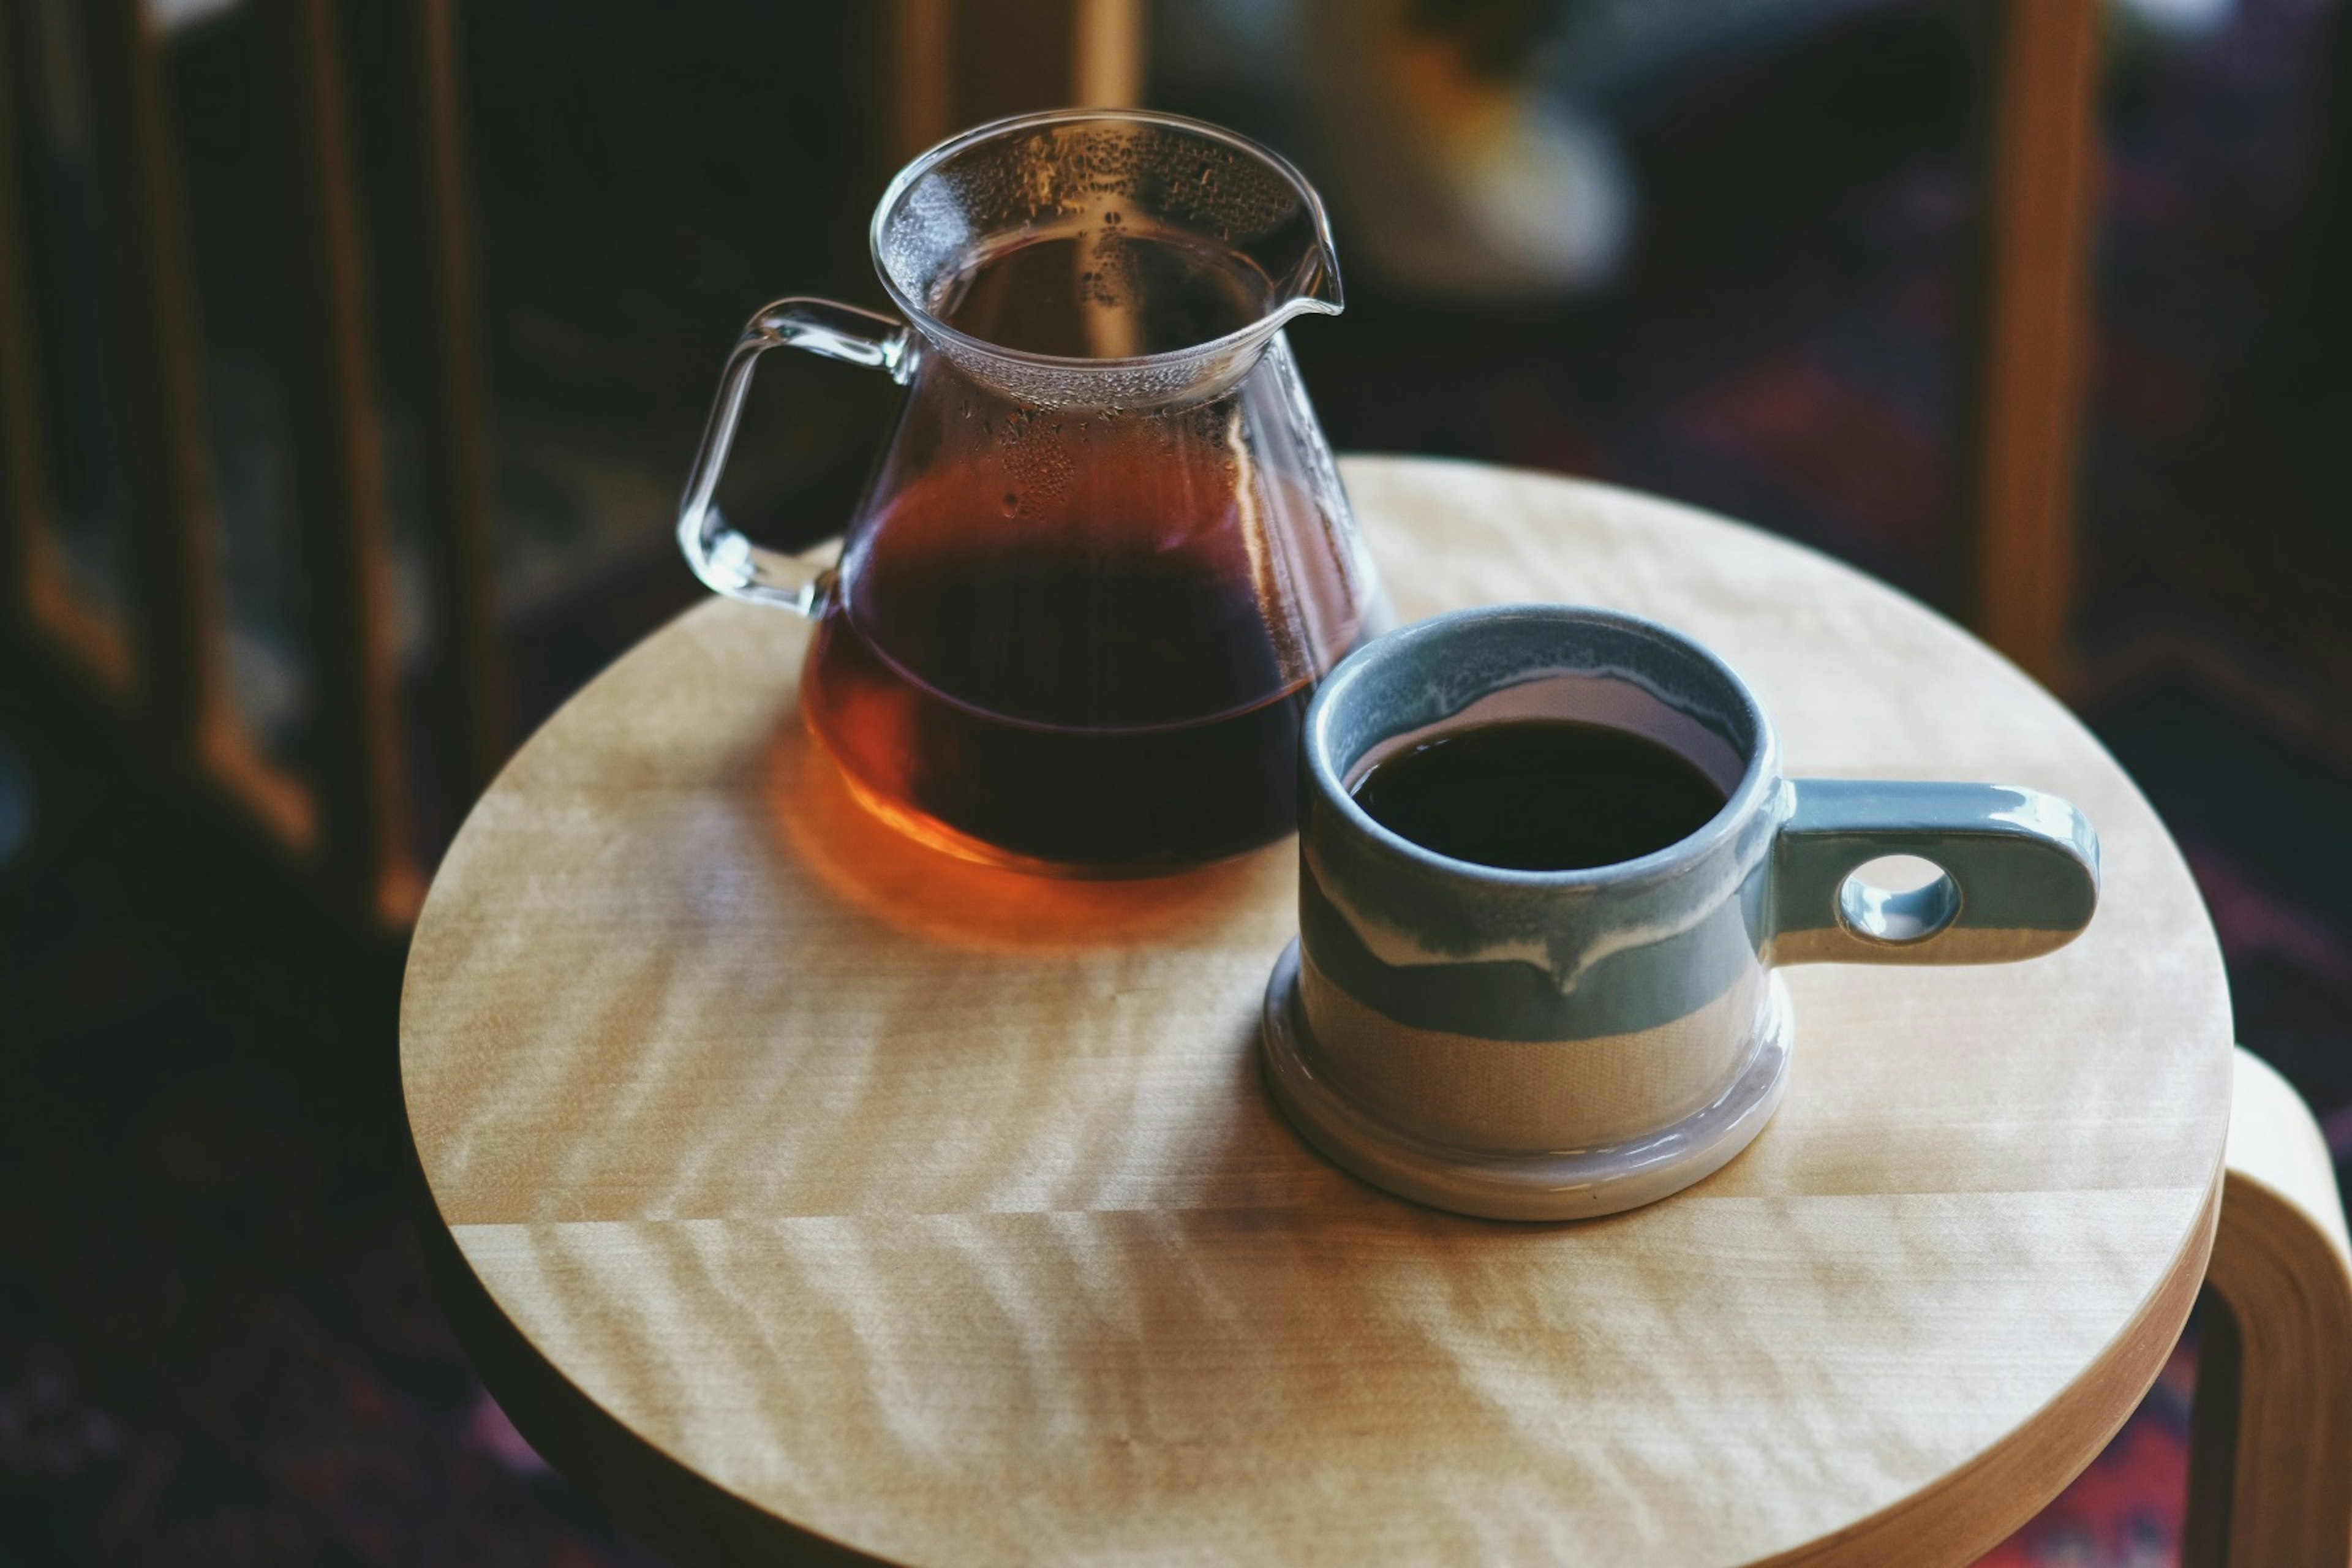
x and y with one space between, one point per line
1326 297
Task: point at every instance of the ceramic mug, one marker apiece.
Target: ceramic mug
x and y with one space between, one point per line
1551 1045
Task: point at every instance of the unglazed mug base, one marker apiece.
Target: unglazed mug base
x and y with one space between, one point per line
1548 1185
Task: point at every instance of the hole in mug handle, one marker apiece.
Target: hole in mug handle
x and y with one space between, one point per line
1897 899
2022 873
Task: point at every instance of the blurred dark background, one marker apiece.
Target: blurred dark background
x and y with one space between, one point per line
351 355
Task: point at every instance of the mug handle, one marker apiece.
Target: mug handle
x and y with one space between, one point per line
2021 873
722 558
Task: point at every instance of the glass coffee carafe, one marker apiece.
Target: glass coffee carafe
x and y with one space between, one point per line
1105 557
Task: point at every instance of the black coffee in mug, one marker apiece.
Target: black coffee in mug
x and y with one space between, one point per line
1540 795
1498 1041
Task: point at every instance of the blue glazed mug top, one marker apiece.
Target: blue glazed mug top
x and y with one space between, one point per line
1552 1044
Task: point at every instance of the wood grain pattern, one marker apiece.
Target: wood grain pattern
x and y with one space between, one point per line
2271 1470
939 1212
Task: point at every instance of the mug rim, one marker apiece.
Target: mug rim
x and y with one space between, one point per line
919 315
1760 776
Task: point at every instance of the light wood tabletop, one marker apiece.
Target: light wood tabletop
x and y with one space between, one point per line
799 1189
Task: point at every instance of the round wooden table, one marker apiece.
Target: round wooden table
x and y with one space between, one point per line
800 1190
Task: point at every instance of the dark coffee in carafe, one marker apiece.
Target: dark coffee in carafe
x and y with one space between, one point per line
1074 666
1105 557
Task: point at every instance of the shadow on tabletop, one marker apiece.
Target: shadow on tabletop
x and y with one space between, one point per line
933 895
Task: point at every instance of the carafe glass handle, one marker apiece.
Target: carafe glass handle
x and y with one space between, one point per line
722 557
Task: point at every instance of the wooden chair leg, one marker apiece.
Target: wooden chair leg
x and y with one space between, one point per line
2269 1482
2040 201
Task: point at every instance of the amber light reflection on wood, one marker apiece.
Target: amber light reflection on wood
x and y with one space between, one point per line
939 1212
